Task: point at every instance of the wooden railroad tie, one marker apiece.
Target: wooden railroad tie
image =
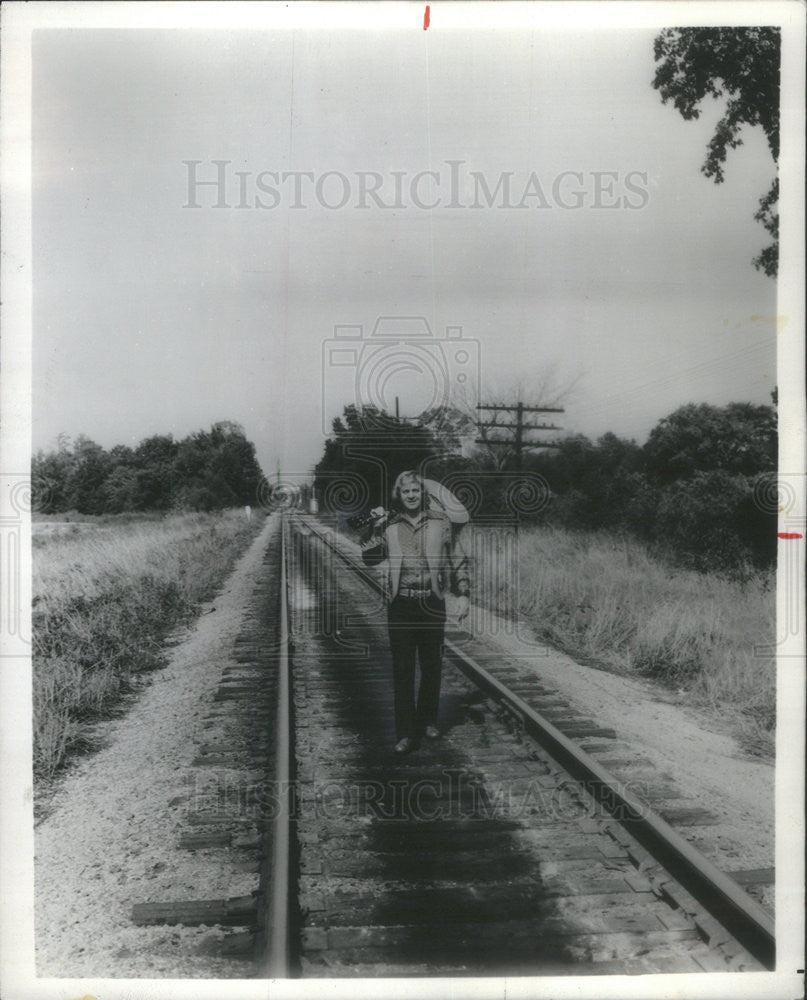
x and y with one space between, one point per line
754 876
236 911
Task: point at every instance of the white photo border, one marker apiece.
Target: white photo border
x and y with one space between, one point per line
16 829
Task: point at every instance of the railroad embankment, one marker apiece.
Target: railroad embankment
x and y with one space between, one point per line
106 592
607 602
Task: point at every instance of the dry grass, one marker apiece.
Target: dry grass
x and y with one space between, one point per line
106 593
606 599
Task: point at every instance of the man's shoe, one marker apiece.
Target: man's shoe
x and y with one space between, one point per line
404 745
432 733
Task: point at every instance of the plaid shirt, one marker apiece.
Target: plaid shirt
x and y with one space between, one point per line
413 569
415 566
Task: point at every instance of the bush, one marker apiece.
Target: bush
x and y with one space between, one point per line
711 522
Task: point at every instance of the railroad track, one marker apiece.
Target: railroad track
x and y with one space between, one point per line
502 849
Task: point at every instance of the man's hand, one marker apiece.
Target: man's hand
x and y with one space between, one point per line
372 532
379 516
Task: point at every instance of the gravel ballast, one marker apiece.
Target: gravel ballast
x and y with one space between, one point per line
110 836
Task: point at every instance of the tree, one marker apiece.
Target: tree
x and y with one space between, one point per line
367 450
595 485
234 463
710 522
50 474
739 438
119 491
91 466
154 458
207 470
155 450
216 468
742 63
451 427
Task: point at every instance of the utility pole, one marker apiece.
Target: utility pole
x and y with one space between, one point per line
518 441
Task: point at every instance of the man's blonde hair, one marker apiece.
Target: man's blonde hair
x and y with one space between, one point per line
406 476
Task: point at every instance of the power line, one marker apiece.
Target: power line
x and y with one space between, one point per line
518 443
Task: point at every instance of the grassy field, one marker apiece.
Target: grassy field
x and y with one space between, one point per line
605 599
106 592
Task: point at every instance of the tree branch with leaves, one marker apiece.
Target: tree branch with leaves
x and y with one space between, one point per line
742 64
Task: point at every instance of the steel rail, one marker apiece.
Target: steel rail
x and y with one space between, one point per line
745 919
717 892
277 949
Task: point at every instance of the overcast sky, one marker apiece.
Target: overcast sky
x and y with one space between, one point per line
151 316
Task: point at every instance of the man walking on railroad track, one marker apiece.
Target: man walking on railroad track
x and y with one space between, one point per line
425 560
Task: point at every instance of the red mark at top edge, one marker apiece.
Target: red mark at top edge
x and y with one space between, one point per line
426 17
790 535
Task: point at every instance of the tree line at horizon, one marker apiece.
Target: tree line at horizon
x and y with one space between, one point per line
207 470
698 491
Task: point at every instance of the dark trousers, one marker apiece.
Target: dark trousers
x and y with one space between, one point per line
416 632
